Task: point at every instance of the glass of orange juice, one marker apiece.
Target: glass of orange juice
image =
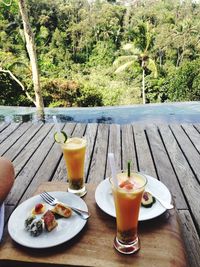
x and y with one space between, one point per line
127 193
74 154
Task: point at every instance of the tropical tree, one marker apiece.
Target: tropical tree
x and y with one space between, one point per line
31 49
139 50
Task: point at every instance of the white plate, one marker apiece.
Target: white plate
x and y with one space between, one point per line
104 198
67 227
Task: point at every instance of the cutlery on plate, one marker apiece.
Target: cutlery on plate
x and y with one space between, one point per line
53 201
164 203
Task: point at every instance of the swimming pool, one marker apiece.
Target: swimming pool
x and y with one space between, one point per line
155 113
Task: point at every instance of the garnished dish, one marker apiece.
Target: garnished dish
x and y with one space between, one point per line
104 198
38 209
48 228
37 224
147 200
62 210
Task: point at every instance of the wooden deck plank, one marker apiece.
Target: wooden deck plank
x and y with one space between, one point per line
187 179
10 141
79 130
25 176
90 135
114 146
61 173
190 236
164 168
193 134
128 148
30 148
17 147
145 160
99 158
171 152
4 125
8 131
46 170
193 157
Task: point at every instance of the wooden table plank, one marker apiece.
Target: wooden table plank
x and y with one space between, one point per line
190 235
161 244
144 157
163 165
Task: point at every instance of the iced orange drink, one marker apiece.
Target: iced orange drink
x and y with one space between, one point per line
74 154
127 195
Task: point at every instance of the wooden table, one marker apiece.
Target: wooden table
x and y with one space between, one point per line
167 152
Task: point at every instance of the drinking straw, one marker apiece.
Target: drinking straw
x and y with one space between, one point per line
113 168
58 128
57 125
129 168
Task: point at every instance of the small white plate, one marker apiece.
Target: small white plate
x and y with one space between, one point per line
67 227
104 198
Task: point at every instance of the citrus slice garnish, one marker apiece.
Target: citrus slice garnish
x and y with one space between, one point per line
60 137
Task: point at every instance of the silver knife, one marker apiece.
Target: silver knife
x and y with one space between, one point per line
2 211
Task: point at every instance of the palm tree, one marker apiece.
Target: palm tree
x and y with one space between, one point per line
139 50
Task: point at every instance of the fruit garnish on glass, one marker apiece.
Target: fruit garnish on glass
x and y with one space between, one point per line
60 137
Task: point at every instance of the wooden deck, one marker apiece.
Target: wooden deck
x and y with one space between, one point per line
170 153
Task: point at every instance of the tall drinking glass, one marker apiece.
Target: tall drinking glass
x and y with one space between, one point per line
74 154
127 198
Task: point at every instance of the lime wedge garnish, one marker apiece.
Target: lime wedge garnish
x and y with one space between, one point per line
60 137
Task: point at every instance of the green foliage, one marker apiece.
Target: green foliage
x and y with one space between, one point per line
11 93
184 82
60 92
77 43
102 54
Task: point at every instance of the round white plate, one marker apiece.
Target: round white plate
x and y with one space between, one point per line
67 227
104 199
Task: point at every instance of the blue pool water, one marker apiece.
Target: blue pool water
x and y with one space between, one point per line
154 113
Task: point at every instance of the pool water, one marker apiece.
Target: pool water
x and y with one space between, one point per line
154 113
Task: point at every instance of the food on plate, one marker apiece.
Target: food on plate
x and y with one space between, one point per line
36 227
62 210
147 200
29 221
38 209
49 221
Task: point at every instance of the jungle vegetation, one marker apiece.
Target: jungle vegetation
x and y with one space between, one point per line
97 53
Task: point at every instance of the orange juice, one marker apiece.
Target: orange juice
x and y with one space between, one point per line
127 197
74 154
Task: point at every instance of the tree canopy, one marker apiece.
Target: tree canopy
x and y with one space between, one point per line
77 43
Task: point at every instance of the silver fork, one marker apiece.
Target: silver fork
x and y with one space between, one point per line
53 201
